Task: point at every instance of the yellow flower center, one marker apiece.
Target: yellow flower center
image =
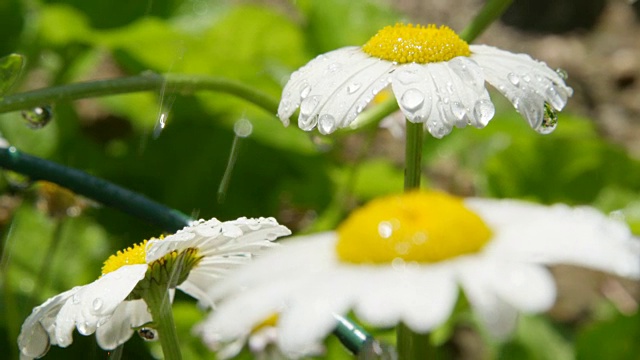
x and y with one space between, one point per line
420 44
424 227
132 255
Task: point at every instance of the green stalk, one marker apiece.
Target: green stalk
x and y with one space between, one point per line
94 188
487 15
413 155
157 299
173 83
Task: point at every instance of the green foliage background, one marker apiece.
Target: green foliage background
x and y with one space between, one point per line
306 181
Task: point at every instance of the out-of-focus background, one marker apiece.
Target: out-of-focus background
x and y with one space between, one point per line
53 240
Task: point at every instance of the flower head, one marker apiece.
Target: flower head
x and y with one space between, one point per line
402 259
437 78
113 306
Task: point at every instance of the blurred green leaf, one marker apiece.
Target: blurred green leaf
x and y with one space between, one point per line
377 177
536 339
10 70
614 339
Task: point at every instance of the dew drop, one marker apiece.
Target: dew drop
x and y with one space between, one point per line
37 117
513 79
562 73
483 111
353 87
75 299
555 98
97 304
458 110
437 128
412 100
326 124
549 120
408 76
385 229
309 105
305 91
526 78
334 67
148 334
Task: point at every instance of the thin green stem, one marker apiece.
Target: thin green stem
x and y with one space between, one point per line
487 15
411 345
172 83
157 299
94 188
413 155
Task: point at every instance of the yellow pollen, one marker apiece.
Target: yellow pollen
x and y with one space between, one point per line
420 44
130 256
271 321
424 227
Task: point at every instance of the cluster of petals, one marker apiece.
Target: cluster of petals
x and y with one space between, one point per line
334 88
305 283
102 307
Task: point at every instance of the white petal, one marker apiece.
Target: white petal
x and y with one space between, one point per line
527 83
37 330
127 316
93 304
559 235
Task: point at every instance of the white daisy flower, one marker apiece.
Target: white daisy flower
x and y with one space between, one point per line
403 259
437 78
113 306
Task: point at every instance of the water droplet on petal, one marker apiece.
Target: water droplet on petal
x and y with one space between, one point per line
326 124
458 110
513 79
437 128
562 73
75 299
334 67
408 77
305 91
148 334
385 229
38 117
483 111
549 120
353 87
412 100
97 304
555 97
526 78
309 105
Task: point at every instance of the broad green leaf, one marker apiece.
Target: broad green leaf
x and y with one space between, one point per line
614 339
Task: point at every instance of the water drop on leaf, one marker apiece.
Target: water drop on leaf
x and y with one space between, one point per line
38 117
549 120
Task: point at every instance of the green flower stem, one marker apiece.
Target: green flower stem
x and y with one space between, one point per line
157 299
411 345
94 188
171 83
413 155
488 14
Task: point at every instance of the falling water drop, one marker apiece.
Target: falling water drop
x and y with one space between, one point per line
483 112
549 120
148 334
38 117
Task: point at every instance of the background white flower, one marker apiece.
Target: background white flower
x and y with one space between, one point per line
306 281
436 77
105 306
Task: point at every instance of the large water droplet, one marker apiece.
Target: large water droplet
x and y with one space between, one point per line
38 117
549 120
555 97
562 73
148 334
326 124
309 105
483 112
97 303
353 87
412 100
437 128
513 79
385 229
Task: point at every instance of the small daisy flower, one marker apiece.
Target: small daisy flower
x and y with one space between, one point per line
114 306
403 259
437 78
